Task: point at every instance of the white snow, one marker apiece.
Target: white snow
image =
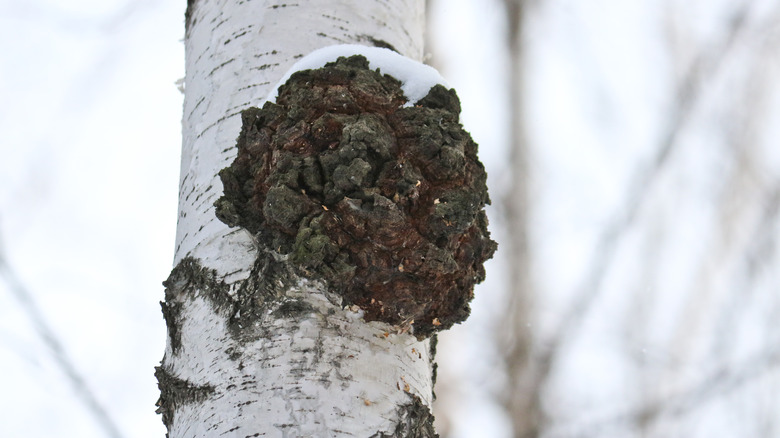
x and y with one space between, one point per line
416 78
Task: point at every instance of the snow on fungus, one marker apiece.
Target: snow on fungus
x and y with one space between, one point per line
350 183
416 78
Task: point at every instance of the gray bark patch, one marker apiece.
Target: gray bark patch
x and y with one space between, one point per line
385 202
175 392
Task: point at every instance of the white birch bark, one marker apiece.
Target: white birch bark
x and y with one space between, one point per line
325 372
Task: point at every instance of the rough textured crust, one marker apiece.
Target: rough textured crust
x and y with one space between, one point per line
384 202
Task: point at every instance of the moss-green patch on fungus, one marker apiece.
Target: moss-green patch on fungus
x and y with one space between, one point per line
384 201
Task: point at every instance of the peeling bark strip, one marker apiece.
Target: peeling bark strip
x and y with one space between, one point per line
383 201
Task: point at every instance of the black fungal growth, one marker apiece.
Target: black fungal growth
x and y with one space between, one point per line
384 202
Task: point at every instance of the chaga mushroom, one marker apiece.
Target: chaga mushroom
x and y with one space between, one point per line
383 201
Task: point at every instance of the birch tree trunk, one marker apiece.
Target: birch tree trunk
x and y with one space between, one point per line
255 348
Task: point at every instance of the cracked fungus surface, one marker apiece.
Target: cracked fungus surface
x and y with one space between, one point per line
385 202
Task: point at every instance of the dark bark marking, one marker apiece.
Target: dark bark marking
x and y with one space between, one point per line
189 278
334 18
284 5
220 66
215 123
265 66
172 314
377 42
416 421
248 87
434 366
175 392
267 284
385 202
189 20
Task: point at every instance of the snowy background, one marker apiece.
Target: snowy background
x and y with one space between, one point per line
651 132
90 138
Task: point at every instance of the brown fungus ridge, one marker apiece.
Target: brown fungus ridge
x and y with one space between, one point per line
383 201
